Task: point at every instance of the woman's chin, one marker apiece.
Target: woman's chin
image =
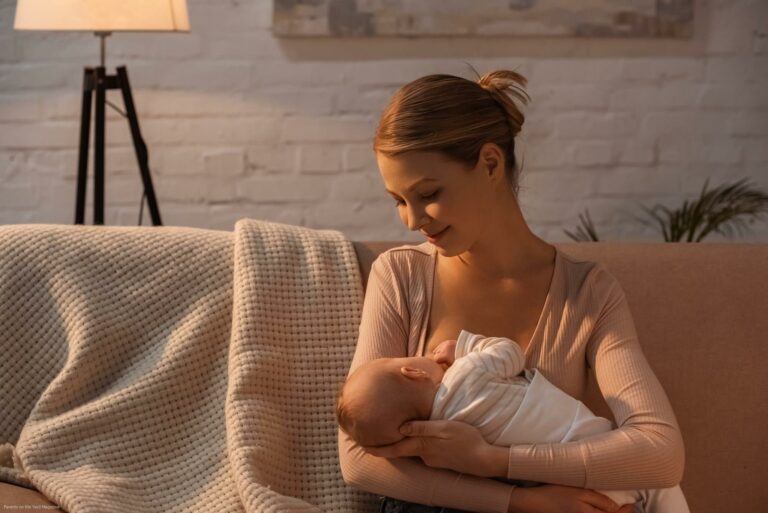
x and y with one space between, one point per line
447 250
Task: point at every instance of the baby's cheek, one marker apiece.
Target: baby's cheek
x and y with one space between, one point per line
442 350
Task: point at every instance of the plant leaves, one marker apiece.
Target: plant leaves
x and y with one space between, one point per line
717 210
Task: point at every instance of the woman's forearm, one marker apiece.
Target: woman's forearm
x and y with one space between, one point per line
616 460
411 480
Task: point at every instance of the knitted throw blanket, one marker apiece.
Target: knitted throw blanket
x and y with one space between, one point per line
175 369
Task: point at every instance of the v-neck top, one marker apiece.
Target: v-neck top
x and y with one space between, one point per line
430 293
585 323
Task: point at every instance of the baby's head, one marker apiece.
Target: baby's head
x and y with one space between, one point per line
380 395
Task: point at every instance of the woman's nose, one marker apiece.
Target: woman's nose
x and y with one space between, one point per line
416 218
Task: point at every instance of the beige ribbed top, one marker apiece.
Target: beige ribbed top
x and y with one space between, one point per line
585 322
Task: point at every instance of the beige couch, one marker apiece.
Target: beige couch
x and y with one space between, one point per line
701 312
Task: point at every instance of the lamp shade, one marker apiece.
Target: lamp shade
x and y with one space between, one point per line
103 15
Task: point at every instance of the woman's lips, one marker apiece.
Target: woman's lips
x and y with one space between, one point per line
437 236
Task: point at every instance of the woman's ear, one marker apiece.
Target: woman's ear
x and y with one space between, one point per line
492 159
414 373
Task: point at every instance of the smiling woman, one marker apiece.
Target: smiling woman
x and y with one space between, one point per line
447 199
445 148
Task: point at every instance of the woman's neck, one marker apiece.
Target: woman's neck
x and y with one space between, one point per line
507 249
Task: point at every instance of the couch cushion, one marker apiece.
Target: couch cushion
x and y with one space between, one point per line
14 497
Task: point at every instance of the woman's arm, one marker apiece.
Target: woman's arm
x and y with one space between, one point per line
383 332
452 444
646 451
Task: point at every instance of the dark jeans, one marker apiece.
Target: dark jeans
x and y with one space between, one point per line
389 505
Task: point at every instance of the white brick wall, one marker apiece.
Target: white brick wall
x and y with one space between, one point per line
242 124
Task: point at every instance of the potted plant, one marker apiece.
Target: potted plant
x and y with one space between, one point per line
720 210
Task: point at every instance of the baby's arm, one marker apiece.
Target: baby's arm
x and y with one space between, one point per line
499 356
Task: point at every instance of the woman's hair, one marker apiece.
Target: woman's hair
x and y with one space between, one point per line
456 117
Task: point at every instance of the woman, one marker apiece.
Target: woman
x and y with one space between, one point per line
445 150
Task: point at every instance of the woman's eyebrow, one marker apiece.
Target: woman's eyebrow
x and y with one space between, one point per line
416 184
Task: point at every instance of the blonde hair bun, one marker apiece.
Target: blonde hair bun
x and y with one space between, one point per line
503 85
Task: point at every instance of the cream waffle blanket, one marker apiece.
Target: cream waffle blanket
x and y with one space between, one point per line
175 369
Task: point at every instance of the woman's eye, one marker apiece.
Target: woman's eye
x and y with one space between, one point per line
399 202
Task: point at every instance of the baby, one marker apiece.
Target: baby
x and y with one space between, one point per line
481 381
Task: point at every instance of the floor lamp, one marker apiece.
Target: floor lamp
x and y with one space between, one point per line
104 17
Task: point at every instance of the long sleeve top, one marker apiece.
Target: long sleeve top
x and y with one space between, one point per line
585 323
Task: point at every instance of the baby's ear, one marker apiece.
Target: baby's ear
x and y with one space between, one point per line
414 373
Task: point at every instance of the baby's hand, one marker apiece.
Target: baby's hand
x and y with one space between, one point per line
445 353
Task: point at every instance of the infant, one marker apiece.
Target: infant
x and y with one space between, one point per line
481 381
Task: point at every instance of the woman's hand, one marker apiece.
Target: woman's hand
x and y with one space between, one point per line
447 444
562 499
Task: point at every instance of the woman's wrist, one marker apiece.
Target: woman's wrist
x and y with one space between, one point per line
494 461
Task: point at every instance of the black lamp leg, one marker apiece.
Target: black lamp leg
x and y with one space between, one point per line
98 150
142 155
96 79
85 131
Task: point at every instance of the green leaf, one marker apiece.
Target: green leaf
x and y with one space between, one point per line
726 208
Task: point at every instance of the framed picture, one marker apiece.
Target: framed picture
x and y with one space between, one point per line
588 18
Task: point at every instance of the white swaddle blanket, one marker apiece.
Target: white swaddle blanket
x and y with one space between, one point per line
484 387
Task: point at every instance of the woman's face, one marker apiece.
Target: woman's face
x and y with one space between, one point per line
448 203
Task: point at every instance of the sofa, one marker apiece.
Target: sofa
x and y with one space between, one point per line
701 312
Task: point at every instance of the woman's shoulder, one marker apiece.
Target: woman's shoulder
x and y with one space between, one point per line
404 268
589 280
412 250
403 259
